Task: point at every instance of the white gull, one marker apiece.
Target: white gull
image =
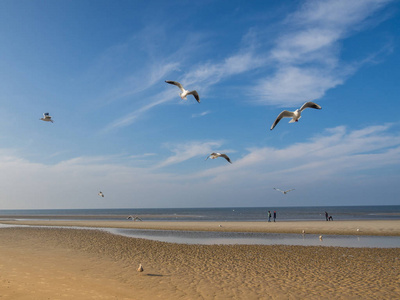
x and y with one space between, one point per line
184 92
295 115
215 155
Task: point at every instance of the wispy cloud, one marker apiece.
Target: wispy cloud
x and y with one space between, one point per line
335 155
337 152
134 115
202 114
183 152
302 64
307 53
142 83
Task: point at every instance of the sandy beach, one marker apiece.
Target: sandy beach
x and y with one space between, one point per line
51 263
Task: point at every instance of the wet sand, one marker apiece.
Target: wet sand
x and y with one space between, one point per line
375 227
50 263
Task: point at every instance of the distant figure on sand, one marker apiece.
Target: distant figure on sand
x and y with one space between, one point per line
274 215
326 215
269 216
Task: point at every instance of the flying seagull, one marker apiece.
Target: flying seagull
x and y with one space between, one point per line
283 192
100 194
184 92
216 155
295 115
134 218
47 118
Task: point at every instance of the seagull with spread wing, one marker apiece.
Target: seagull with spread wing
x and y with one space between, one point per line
283 192
46 118
184 93
215 155
134 218
295 115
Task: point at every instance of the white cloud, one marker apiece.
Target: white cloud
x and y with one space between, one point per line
337 152
183 152
146 82
202 114
338 157
292 85
306 55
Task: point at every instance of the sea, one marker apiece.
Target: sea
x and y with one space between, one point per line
220 214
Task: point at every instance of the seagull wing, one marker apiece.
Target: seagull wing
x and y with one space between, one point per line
278 190
176 83
289 190
212 154
226 157
284 114
195 94
310 105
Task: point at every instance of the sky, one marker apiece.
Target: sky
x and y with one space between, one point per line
99 68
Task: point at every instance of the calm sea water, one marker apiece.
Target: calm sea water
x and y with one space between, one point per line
215 214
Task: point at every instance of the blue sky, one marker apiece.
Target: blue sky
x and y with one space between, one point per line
98 68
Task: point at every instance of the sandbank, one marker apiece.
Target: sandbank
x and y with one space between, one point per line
356 227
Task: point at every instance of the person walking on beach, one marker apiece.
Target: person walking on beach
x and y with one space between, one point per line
326 216
274 215
269 216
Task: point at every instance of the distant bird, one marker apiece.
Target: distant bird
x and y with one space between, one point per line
220 225
215 155
184 92
295 115
358 229
303 231
140 269
283 192
320 237
101 194
134 218
46 118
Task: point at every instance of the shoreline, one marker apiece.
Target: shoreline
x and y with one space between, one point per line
357 227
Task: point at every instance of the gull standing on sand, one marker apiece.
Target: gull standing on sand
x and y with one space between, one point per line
295 115
184 92
101 194
46 118
283 192
140 269
215 155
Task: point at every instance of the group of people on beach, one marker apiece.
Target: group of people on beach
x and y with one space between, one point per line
327 216
270 215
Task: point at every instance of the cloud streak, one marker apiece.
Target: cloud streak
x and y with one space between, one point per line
307 56
183 152
304 59
337 154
